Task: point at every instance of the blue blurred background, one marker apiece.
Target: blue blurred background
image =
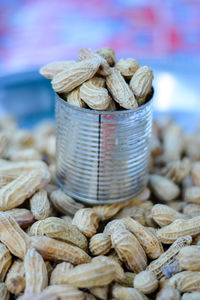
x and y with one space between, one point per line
163 34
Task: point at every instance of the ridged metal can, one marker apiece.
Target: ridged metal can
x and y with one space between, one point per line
102 156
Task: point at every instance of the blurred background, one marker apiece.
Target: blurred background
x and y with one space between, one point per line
162 34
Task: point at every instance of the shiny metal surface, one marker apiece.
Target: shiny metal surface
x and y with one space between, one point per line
102 157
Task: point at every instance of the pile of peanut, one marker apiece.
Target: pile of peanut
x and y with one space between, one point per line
53 247
96 81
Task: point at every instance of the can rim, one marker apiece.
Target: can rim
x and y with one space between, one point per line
104 112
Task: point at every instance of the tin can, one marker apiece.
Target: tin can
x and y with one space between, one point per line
102 156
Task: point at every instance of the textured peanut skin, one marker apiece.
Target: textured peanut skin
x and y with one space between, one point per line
108 211
177 170
74 98
36 276
141 81
40 205
129 250
108 54
120 292
100 244
146 282
86 53
4 294
51 69
13 236
75 75
127 67
21 188
150 243
120 90
189 258
179 228
5 261
94 96
64 203
90 275
61 230
87 221
55 250
168 256
22 216
186 281
164 215
59 273
15 279
164 189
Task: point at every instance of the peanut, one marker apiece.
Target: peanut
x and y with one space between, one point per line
127 67
40 205
100 244
86 53
64 203
75 75
87 221
59 273
164 189
146 282
55 250
189 258
186 281
5 261
22 216
35 272
178 228
14 193
164 215
141 83
13 236
4 294
95 97
108 54
129 250
120 90
149 242
168 256
15 279
51 69
59 229
74 98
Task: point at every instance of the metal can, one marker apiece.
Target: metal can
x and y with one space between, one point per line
102 156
